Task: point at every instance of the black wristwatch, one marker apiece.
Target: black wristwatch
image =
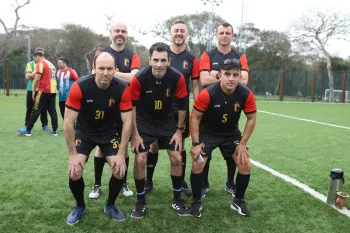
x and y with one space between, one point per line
196 143
180 128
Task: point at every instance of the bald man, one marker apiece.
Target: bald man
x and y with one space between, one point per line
93 102
127 64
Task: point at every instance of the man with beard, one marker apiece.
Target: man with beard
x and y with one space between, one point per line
209 71
187 64
153 91
127 65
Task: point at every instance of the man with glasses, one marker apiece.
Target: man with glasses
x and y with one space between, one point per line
214 123
209 70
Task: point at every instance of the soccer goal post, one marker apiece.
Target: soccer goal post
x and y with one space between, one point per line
337 95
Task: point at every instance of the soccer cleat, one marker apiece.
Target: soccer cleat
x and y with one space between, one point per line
148 187
180 207
54 133
196 208
231 189
114 212
95 192
76 215
45 127
205 191
139 210
240 206
185 190
126 191
24 132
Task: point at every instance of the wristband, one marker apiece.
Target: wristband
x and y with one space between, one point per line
196 143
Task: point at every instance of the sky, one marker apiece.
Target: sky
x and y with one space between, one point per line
268 14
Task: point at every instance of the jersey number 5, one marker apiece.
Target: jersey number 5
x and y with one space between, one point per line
99 115
224 118
158 105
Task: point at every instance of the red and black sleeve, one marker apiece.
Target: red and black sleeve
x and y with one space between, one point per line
181 93
204 64
135 89
202 101
125 100
135 62
74 98
250 105
195 69
244 62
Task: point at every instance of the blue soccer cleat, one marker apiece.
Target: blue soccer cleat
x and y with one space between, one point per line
115 213
76 215
24 132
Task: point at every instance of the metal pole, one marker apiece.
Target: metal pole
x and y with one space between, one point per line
29 57
241 29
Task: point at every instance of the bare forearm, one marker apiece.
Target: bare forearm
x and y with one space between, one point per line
248 130
182 117
134 126
126 131
30 76
244 78
126 77
207 79
195 88
195 129
68 128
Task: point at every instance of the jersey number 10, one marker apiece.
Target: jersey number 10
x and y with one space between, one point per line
158 105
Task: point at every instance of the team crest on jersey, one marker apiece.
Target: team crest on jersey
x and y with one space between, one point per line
111 102
167 92
126 62
77 142
237 107
185 65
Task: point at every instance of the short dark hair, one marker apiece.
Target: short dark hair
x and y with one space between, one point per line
230 63
159 47
225 25
64 59
39 52
178 21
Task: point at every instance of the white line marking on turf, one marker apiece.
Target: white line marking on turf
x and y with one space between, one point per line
302 119
302 186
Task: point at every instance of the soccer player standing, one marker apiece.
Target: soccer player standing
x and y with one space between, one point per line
153 89
187 64
127 65
209 70
214 123
93 101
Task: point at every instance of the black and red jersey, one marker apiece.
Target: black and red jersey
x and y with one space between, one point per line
126 60
221 112
97 107
154 97
211 60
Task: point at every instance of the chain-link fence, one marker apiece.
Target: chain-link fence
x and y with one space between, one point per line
299 85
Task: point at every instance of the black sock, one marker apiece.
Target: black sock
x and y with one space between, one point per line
183 155
115 185
242 182
176 186
206 174
140 188
126 171
99 163
77 189
152 159
196 184
231 169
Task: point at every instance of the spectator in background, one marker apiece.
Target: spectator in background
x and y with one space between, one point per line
65 79
30 73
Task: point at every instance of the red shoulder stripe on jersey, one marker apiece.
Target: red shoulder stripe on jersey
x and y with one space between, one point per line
135 62
125 100
204 64
195 69
250 105
244 62
202 101
74 97
73 74
181 90
135 88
